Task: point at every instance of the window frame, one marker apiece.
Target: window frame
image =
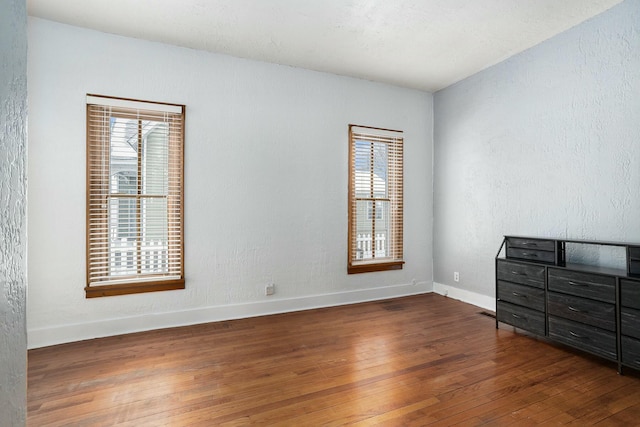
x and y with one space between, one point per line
99 195
395 196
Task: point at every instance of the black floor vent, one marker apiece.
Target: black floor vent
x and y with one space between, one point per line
488 314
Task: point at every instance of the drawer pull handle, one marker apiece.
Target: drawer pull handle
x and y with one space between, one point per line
528 254
515 294
517 273
529 244
575 309
572 283
516 316
573 334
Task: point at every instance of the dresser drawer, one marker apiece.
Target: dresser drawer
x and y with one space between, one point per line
521 295
520 317
630 322
524 243
630 349
583 310
630 293
634 268
634 260
585 337
532 255
524 274
594 286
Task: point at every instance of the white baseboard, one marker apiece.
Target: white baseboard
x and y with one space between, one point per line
43 337
479 300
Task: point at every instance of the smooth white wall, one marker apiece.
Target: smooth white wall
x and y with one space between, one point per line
13 212
266 182
546 143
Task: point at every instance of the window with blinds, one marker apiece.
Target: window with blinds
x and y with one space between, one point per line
375 199
134 196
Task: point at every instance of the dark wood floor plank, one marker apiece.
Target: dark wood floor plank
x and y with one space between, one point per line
421 360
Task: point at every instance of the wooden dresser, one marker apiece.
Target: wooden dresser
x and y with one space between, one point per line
589 307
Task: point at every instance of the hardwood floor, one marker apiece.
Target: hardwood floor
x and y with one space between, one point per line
421 360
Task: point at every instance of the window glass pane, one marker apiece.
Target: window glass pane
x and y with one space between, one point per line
123 234
154 235
154 219
380 166
124 153
382 229
364 229
372 229
122 219
155 157
371 182
362 177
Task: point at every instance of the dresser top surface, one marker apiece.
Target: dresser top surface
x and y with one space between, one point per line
581 241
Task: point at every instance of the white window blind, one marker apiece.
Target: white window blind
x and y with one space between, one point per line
134 196
375 199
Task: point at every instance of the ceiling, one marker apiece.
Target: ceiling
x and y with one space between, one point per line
422 44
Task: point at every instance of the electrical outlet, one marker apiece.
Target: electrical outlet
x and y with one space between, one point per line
456 276
413 282
270 289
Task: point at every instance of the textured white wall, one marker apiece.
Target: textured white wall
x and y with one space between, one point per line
266 182
13 220
546 143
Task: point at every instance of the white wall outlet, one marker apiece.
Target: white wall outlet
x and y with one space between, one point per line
456 276
413 282
270 289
